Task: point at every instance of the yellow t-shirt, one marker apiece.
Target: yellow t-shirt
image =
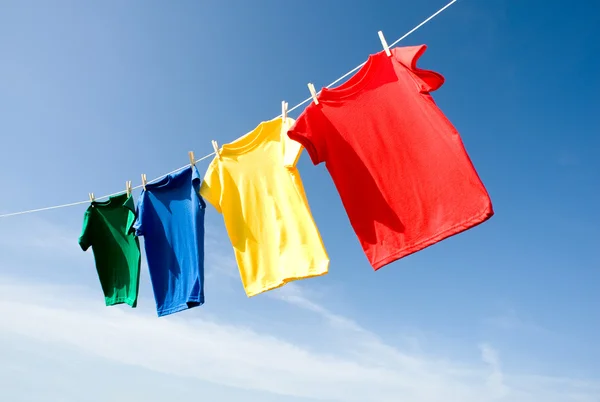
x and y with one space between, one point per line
257 187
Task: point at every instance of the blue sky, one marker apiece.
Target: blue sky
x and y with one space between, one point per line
92 95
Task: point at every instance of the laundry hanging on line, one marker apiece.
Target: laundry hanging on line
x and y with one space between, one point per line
399 165
107 229
170 217
254 183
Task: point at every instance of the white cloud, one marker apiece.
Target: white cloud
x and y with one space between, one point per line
495 380
359 366
244 358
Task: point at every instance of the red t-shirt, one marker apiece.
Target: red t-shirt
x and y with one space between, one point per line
399 165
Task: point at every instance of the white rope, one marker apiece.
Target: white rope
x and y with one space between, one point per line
104 196
211 154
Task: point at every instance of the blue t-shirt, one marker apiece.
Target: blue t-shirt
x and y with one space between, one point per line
170 216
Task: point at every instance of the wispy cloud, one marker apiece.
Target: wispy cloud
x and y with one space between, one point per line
293 294
495 379
245 358
357 366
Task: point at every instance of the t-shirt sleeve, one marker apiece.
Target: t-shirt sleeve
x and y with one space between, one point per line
291 149
138 224
130 206
210 189
427 80
85 239
196 183
310 130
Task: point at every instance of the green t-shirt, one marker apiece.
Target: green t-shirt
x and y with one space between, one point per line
107 229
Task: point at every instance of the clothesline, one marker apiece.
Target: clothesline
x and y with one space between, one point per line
212 153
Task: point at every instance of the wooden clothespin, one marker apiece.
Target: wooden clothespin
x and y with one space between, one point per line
144 180
284 110
192 159
92 198
384 43
216 148
313 93
128 188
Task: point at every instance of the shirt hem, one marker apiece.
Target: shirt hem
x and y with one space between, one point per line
481 217
318 269
182 306
121 300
